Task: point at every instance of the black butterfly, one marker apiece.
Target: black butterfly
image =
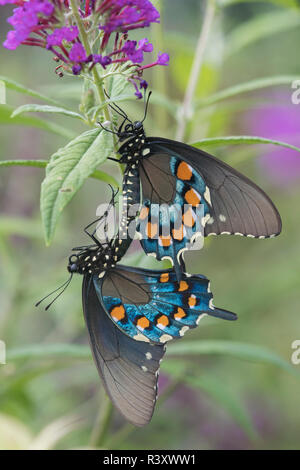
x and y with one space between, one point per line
172 173
131 314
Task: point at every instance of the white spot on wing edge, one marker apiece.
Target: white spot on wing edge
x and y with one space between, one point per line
140 337
183 330
148 356
202 315
207 195
165 338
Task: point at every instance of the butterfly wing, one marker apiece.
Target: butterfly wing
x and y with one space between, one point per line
128 368
151 306
237 205
171 218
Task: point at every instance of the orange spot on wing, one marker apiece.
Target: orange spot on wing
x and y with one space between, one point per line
189 218
151 230
165 241
144 213
192 197
184 171
163 320
178 234
179 314
118 313
143 322
164 277
192 301
183 286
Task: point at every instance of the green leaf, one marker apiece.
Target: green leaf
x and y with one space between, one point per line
241 139
248 352
246 87
31 121
283 3
38 108
20 226
26 91
260 27
49 351
215 389
243 351
119 88
66 172
97 174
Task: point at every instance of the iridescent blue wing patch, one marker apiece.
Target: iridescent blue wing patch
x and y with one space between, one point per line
128 368
176 207
152 306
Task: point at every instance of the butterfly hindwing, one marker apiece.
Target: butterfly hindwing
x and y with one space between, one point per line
151 306
175 206
128 368
236 204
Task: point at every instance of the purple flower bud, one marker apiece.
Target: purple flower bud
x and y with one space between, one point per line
99 59
134 53
76 69
163 59
77 53
145 45
144 84
139 95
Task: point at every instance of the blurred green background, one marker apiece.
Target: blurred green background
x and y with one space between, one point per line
219 401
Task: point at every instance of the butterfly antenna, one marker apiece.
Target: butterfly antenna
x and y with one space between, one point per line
147 104
106 129
117 108
63 287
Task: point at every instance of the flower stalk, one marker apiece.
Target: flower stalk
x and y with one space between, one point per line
186 110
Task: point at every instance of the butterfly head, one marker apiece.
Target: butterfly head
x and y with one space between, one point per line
131 130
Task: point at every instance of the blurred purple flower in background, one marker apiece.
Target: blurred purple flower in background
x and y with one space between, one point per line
279 122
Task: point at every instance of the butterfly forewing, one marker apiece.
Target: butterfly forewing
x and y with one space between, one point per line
128 368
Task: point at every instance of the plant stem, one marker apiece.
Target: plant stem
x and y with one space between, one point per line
102 422
97 79
196 69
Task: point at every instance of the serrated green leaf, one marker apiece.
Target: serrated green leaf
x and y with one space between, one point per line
260 27
66 172
246 87
32 121
97 174
38 108
215 389
11 84
241 139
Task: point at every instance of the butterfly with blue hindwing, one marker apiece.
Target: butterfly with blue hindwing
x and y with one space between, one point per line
131 313
173 173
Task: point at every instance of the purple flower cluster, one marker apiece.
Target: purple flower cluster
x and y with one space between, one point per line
27 18
125 15
49 24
